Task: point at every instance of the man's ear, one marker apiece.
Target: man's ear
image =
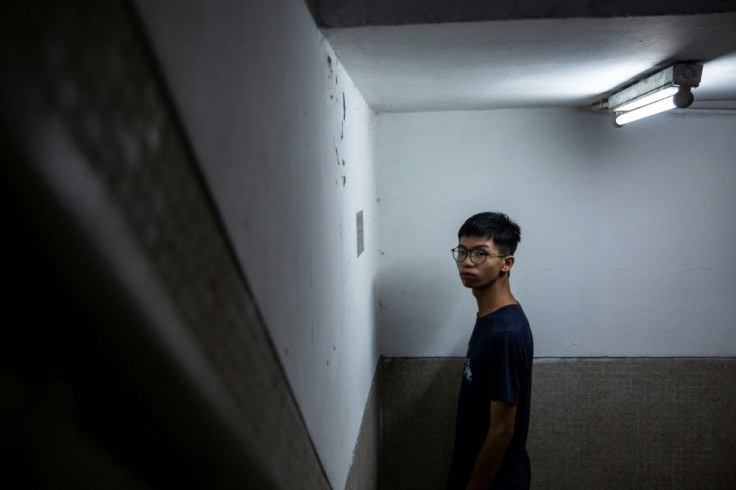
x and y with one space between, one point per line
508 263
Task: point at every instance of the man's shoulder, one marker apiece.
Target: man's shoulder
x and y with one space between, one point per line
511 328
509 319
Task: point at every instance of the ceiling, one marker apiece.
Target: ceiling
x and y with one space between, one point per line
517 59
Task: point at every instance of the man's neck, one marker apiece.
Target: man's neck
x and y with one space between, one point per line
493 297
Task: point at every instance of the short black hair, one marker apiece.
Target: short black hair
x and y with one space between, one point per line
505 234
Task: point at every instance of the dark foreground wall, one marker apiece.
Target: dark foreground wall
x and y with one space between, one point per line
596 423
133 354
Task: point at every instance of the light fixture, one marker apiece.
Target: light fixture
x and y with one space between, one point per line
667 89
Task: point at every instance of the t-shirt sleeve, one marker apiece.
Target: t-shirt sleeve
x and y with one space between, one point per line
507 363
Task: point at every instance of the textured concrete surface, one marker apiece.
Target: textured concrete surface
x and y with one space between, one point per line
284 140
365 470
595 423
418 400
91 117
634 423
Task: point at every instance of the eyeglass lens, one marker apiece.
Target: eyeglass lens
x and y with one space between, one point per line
476 256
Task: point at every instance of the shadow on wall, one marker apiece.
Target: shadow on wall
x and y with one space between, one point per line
409 294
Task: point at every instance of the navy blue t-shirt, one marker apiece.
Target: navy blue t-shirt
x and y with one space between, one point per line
498 367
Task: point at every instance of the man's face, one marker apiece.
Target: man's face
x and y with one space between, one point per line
480 275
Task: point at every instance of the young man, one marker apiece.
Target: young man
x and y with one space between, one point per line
493 406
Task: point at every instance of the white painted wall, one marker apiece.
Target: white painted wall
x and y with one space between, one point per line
284 140
627 234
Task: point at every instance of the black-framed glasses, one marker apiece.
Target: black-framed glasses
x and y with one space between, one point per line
476 256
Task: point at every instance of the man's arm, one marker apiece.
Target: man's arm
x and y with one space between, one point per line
503 416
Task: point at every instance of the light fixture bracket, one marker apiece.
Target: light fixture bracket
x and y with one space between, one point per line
676 75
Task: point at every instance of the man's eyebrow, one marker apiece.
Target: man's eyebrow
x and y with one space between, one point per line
479 247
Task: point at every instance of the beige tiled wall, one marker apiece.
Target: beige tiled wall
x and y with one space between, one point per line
634 423
596 423
365 469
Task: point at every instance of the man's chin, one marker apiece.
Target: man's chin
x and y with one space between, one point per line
473 283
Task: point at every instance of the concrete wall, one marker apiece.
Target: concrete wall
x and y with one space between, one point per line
626 233
624 252
134 354
284 141
595 423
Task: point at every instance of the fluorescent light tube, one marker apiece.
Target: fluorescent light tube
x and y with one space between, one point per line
659 92
642 112
647 99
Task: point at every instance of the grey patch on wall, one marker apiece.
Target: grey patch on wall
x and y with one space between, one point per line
344 107
359 228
